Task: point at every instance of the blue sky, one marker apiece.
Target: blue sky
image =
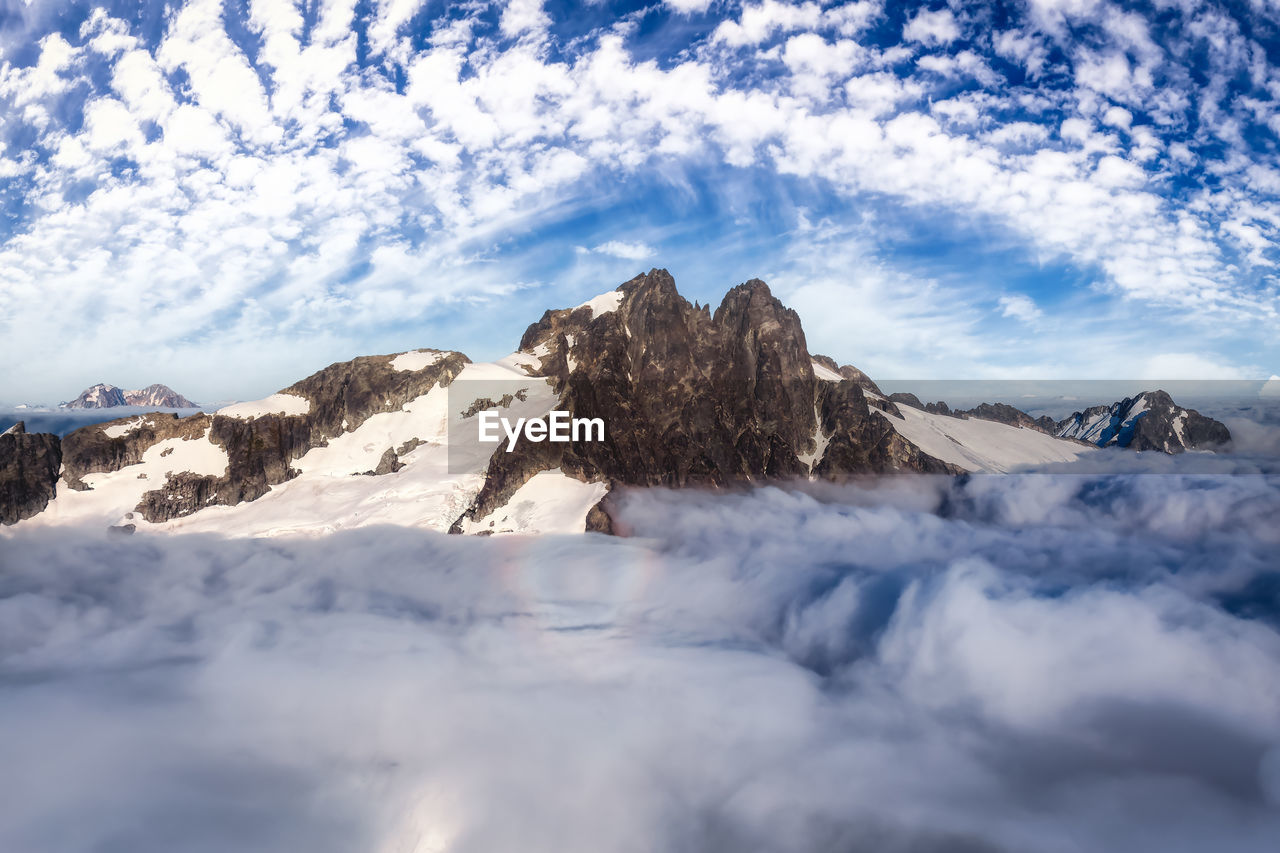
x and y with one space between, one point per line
227 196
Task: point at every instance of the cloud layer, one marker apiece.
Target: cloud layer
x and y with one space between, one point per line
1055 662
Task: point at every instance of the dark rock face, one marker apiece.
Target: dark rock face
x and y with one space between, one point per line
908 399
1006 414
388 463
848 371
861 441
1047 424
1148 421
692 397
92 450
29 465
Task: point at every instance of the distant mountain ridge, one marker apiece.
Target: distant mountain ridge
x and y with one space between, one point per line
1146 421
690 397
1150 420
106 396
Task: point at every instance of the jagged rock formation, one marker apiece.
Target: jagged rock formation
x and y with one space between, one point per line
908 399
104 396
848 371
692 397
29 464
1148 421
1005 414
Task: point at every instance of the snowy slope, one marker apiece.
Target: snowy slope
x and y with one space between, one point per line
978 445
605 303
551 502
436 440
113 495
440 478
276 404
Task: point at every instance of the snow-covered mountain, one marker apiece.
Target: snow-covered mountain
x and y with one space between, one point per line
100 396
159 396
1146 421
104 396
689 397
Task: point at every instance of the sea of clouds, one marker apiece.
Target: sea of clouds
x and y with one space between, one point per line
1061 661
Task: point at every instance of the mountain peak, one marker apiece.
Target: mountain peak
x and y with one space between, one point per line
107 396
1149 420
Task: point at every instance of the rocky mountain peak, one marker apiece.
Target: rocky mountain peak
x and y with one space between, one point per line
159 396
100 396
1150 420
694 397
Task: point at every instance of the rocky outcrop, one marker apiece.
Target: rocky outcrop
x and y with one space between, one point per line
848 371
1148 421
110 446
908 399
29 464
692 397
1005 414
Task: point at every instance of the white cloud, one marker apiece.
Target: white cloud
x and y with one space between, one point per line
1020 307
1187 365
909 677
688 7
622 249
522 16
932 28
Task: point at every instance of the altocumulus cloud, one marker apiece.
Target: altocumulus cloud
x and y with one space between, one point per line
1058 662
232 183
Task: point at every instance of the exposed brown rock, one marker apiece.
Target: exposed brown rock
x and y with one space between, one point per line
91 450
29 464
691 397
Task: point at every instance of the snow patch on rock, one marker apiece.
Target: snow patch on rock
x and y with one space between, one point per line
978 445
826 374
418 359
551 502
121 430
605 303
276 404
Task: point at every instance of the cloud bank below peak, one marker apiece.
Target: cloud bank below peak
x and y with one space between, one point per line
1028 662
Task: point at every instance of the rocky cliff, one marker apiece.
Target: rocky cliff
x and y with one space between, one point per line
29 464
692 397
